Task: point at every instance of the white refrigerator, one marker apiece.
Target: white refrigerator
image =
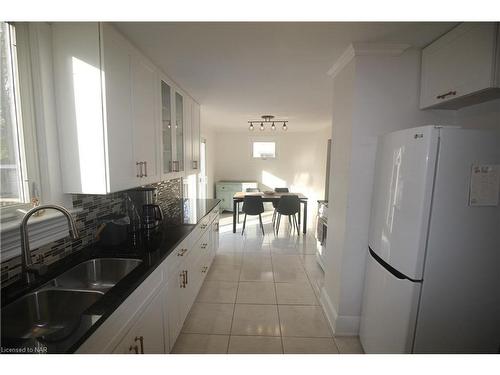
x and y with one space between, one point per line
432 282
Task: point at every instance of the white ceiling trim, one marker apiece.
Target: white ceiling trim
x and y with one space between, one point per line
366 49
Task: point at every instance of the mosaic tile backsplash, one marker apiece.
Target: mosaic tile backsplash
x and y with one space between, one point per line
93 208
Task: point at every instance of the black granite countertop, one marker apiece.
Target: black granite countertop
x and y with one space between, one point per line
152 249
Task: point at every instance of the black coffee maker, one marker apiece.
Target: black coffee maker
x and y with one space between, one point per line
151 216
144 199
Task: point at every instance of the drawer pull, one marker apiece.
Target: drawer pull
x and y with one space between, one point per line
204 245
203 226
204 269
443 96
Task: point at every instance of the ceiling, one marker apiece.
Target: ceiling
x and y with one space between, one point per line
239 71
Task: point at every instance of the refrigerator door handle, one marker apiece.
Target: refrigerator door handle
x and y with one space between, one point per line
391 269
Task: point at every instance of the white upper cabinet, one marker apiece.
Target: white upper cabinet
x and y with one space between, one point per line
106 108
462 67
179 132
195 136
191 136
167 138
144 119
188 129
121 122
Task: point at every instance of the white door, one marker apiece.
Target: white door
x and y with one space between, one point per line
173 307
203 170
147 334
195 134
389 311
117 61
401 198
144 96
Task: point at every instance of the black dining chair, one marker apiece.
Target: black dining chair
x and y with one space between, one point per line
253 205
288 205
275 203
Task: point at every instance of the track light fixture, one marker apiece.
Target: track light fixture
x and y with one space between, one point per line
267 119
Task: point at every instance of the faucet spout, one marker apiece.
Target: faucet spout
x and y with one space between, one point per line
27 262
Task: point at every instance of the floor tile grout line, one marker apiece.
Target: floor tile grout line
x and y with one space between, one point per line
234 309
277 308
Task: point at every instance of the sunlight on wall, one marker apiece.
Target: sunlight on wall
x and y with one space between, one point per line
304 183
88 114
272 181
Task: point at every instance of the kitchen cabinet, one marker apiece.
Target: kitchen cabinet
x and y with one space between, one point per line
122 123
144 120
173 318
105 103
110 336
151 318
192 136
462 67
147 334
168 134
173 129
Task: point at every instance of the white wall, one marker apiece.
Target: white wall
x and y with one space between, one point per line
481 116
384 98
209 136
300 162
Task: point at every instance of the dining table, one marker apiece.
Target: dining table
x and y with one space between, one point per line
269 197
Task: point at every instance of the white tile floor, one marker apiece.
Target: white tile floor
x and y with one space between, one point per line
261 296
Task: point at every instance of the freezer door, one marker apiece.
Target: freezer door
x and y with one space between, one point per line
389 310
401 199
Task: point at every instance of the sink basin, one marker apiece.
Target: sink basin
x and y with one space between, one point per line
99 274
49 314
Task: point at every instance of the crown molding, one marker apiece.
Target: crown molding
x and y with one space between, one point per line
366 49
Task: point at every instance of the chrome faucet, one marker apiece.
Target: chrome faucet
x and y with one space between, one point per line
27 263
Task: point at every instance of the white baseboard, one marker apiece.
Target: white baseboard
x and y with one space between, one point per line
342 325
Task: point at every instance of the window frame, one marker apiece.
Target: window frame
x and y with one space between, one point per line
26 124
252 143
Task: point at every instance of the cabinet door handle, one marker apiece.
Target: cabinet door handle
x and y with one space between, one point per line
138 168
141 341
195 164
145 169
443 96
170 166
184 279
134 348
187 281
181 275
182 252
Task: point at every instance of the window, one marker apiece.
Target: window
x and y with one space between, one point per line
264 150
18 161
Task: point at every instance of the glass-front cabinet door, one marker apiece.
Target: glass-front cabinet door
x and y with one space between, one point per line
179 132
166 120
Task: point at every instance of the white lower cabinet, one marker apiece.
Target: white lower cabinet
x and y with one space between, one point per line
150 320
172 310
147 334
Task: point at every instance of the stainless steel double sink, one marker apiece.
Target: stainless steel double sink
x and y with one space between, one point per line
54 309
